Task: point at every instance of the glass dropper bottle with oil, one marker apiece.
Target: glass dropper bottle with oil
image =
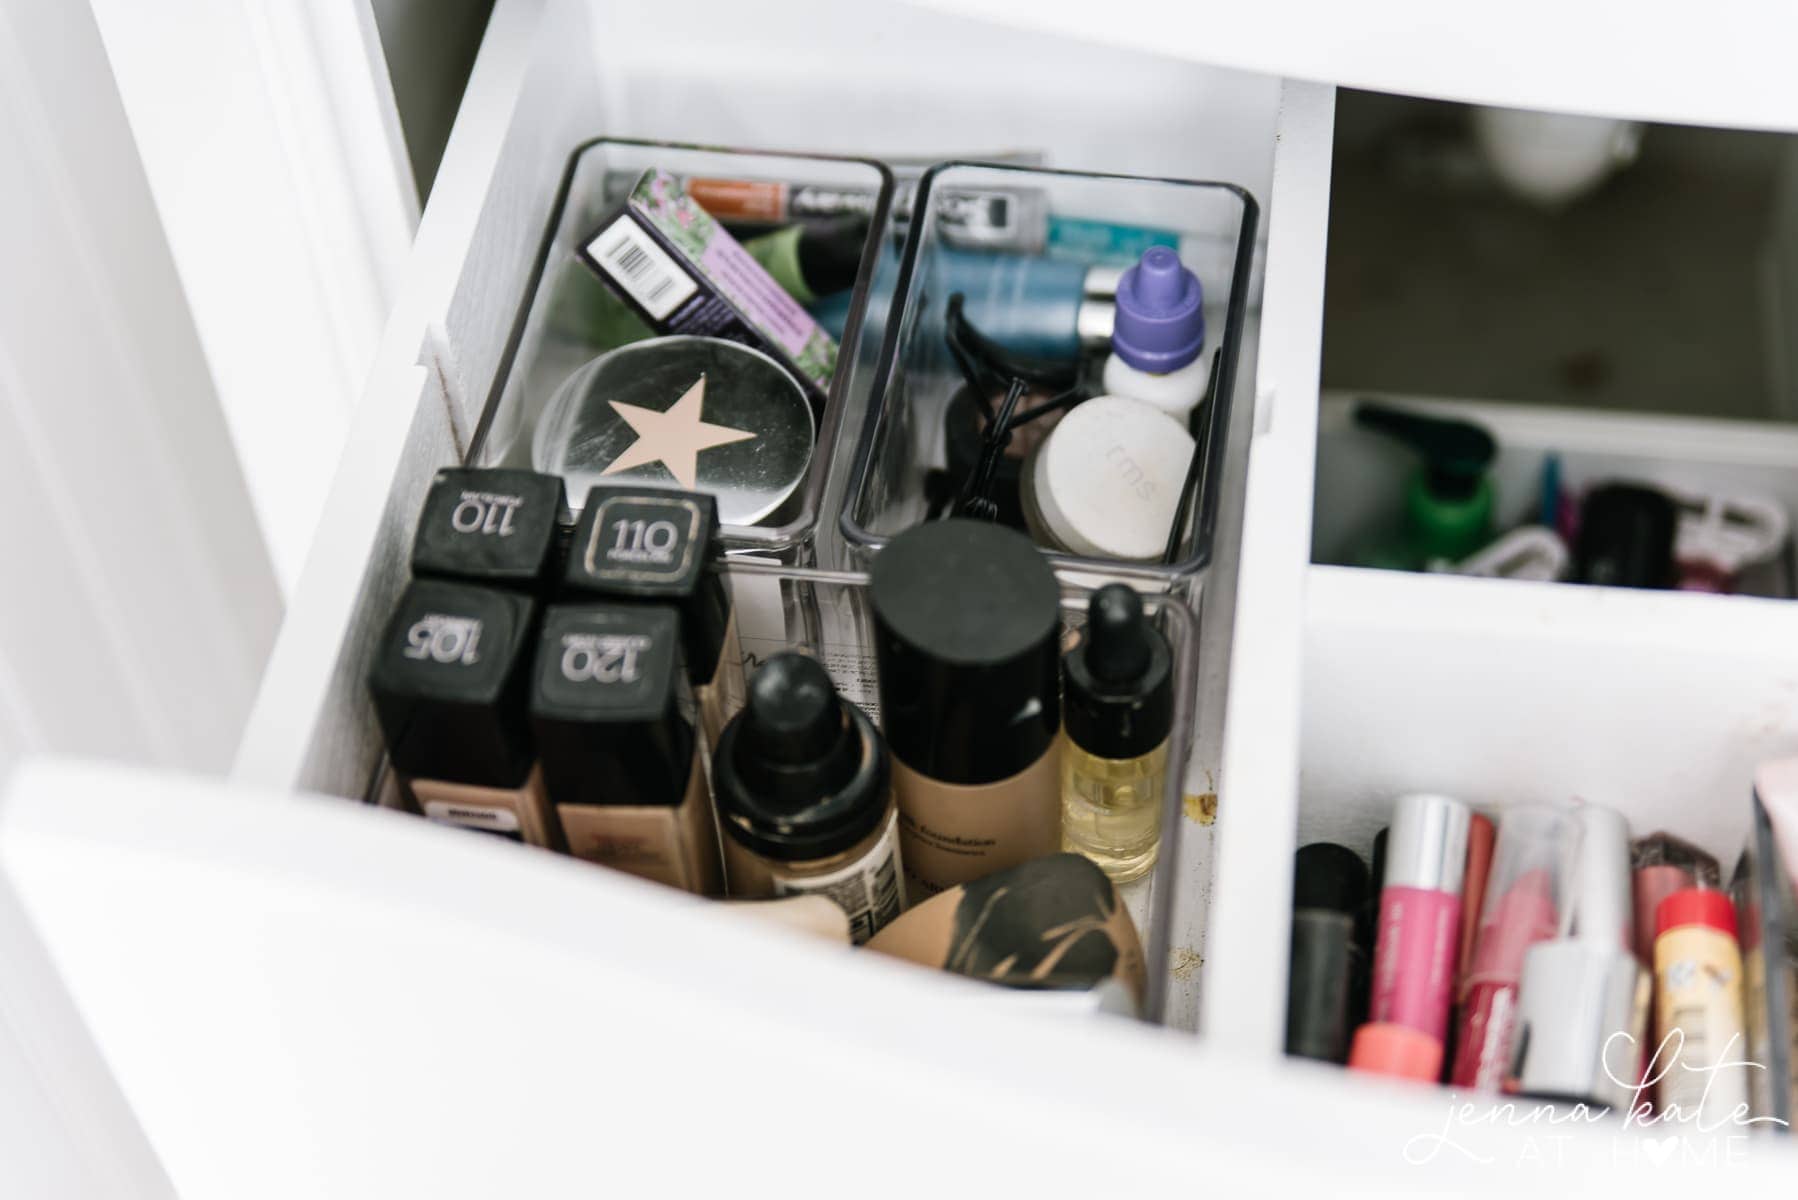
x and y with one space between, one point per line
1117 711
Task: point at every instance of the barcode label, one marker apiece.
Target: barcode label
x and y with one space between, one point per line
867 891
631 259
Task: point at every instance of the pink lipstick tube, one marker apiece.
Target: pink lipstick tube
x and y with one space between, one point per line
1521 908
1419 937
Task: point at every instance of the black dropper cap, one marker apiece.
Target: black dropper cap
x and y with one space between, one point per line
1456 454
1120 680
966 618
490 525
800 773
604 705
1626 537
637 544
448 682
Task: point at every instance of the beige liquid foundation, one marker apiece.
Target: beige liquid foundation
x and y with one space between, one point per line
967 619
804 797
448 682
620 762
637 545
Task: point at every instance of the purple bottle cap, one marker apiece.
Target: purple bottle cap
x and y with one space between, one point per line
1160 324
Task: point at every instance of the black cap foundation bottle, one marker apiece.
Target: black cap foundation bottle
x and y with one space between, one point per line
966 638
619 760
492 526
449 680
805 798
1119 700
646 544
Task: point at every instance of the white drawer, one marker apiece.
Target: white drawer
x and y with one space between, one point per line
551 75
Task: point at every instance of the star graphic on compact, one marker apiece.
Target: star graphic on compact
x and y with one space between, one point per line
673 438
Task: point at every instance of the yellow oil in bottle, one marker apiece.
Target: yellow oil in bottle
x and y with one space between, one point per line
1111 808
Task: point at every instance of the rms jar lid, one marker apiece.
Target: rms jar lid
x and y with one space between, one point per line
1107 482
693 413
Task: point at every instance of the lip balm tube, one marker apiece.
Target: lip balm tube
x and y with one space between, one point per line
1481 834
1328 963
1419 938
448 681
492 526
1521 908
638 544
1698 993
619 759
1582 999
967 639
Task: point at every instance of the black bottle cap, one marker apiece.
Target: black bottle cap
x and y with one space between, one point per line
605 705
635 543
449 680
830 253
1329 876
800 773
1626 536
1456 454
1120 679
967 623
1320 988
490 525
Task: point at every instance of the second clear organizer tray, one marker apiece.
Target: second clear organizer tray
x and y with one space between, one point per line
903 441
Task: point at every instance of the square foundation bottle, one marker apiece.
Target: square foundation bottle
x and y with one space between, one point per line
492 526
650 545
620 761
449 679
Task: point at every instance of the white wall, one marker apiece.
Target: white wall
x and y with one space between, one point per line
139 604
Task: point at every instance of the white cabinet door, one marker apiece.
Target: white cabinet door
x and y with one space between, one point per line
1727 63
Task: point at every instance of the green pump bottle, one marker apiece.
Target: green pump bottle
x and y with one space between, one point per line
1448 499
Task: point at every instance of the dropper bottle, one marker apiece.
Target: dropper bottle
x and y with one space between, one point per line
1118 707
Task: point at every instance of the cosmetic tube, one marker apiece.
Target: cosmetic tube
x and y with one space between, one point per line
1701 1043
1582 999
804 797
619 760
1328 964
967 631
1419 938
1521 908
449 679
647 545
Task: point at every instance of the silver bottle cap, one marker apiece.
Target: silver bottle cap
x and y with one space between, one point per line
1582 1009
1427 847
698 414
1603 903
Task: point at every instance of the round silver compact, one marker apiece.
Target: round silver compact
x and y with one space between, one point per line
695 413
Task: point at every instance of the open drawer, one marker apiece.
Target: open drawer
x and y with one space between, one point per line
551 75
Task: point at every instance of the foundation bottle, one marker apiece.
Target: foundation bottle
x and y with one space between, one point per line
637 545
492 526
966 618
619 760
1119 701
448 681
805 799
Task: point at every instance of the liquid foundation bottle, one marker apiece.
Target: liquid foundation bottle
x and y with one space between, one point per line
645 544
966 638
1119 701
619 760
449 680
490 526
805 797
